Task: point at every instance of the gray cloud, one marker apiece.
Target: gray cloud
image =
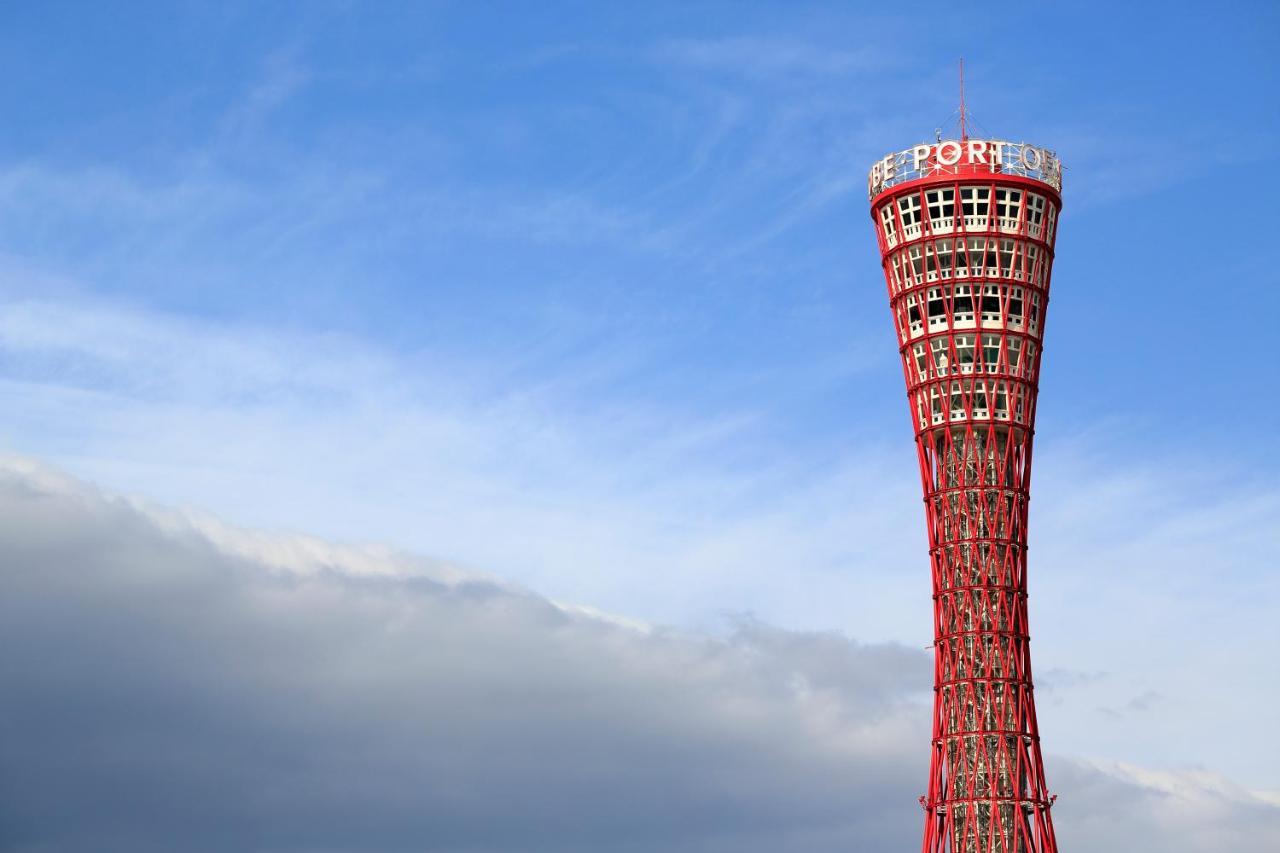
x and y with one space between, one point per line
173 684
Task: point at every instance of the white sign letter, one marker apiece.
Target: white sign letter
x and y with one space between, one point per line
917 156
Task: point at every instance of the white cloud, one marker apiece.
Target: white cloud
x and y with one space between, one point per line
169 687
664 516
626 507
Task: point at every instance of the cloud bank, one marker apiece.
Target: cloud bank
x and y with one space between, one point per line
172 683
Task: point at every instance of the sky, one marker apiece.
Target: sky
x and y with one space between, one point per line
553 335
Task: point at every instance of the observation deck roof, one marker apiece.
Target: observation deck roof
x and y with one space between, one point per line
956 157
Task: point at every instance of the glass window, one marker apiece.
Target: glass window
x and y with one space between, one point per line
942 208
1008 208
917 262
964 353
900 317
1032 257
1035 213
1053 221
913 319
991 305
1007 257
943 252
975 203
935 400
937 310
962 304
909 210
941 362
957 400
990 346
989 255
890 226
961 259
921 364
977 255
980 399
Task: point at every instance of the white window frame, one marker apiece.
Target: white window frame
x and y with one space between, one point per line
1035 214
998 317
1008 247
889 226
1035 273
966 320
913 327
920 361
964 344
915 261
941 205
909 209
992 340
1009 203
980 198
934 294
940 356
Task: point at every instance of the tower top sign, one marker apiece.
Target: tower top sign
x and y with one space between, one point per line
965 157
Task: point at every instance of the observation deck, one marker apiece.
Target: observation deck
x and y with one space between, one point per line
962 157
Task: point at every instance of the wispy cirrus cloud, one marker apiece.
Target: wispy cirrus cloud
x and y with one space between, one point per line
760 56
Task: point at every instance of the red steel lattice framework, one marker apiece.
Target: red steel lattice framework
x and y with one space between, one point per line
966 231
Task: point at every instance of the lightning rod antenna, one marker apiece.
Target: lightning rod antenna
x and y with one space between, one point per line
964 131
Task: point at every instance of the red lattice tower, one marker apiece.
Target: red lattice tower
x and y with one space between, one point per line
966 231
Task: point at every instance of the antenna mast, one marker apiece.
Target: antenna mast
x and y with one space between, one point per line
964 131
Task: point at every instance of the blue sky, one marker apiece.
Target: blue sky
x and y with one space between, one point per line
587 299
